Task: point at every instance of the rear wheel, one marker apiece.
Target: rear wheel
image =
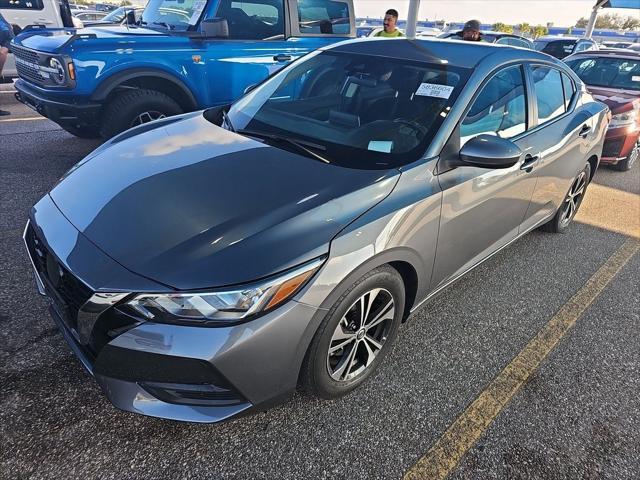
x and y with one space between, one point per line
355 335
627 163
572 201
134 107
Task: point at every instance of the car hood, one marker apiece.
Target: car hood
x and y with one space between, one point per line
617 100
192 205
51 40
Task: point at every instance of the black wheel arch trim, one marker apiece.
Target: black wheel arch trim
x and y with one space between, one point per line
111 83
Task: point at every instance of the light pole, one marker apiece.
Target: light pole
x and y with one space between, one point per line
594 16
412 18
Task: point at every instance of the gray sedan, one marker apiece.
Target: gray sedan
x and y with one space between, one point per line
206 265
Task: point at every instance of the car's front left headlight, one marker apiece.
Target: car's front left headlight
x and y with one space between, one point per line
223 306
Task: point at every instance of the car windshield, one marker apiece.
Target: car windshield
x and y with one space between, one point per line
116 16
623 73
180 15
360 111
555 48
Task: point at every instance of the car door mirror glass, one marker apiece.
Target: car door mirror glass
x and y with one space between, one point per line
489 151
215 28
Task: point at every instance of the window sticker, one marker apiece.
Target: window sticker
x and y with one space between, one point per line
383 146
434 90
635 78
198 7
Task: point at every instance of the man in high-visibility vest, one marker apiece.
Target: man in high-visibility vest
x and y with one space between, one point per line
390 30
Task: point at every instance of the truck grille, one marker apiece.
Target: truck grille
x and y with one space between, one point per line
27 62
66 291
612 147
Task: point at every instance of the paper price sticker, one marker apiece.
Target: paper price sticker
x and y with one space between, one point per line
434 90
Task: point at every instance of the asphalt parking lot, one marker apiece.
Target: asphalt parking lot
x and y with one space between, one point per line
446 394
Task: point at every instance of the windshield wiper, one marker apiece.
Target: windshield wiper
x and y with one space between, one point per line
299 144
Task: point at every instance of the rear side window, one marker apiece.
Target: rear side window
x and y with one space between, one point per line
500 108
557 48
323 17
569 90
254 19
549 93
22 4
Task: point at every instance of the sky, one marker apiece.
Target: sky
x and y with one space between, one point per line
536 12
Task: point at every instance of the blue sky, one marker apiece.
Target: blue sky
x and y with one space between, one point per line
560 12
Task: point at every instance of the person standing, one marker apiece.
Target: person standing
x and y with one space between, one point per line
390 30
6 34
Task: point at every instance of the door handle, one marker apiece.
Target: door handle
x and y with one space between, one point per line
530 161
282 57
584 131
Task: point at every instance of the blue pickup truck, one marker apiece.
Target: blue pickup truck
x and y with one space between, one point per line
182 55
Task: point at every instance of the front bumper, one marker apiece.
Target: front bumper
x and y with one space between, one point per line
618 144
198 374
63 111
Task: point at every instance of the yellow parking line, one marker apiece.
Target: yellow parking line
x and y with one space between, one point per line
444 455
25 119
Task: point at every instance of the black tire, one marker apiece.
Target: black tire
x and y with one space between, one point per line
626 164
563 218
82 131
315 377
122 112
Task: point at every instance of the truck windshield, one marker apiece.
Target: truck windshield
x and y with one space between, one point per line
173 14
361 111
608 72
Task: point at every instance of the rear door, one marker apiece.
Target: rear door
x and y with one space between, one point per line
482 209
560 137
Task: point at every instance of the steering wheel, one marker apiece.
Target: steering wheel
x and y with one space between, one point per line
415 126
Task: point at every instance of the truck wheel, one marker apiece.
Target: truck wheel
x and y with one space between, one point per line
134 107
82 131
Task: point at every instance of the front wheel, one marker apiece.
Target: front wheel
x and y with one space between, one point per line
131 108
355 335
571 203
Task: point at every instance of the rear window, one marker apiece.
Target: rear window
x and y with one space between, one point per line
556 48
22 4
323 17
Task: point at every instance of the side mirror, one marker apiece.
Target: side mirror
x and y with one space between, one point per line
488 151
215 28
130 18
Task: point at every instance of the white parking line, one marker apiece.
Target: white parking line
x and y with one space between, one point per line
26 119
8 91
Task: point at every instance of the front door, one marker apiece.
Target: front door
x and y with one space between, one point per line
482 209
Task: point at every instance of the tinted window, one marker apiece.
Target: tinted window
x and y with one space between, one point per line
549 93
500 108
253 20
323 16
569 90
608 72
22 4
363 111
556 48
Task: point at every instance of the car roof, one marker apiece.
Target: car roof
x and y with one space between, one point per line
551 38
432 50
612 52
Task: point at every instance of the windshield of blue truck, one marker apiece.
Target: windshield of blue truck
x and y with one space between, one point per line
361 111
179 15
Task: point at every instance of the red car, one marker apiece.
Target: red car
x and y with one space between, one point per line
613 77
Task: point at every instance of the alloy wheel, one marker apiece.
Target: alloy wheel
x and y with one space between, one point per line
360 335
146 117
635 153
572 202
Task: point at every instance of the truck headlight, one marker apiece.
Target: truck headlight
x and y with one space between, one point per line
625 119
226 305
58 73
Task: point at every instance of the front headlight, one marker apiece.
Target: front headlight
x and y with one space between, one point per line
57 71
224 306
624 119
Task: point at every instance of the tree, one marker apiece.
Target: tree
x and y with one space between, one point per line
612 21
582 22
502 27
125 3
631 23
569 31
524 28
540 31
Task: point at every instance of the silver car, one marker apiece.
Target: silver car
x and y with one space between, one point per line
205 265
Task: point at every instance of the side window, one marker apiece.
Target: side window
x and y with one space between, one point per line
582 46
500 108
323 16
22 4
254 19
569 90
549 93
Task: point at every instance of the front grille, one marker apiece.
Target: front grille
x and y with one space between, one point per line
27 62
612 147
66 291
